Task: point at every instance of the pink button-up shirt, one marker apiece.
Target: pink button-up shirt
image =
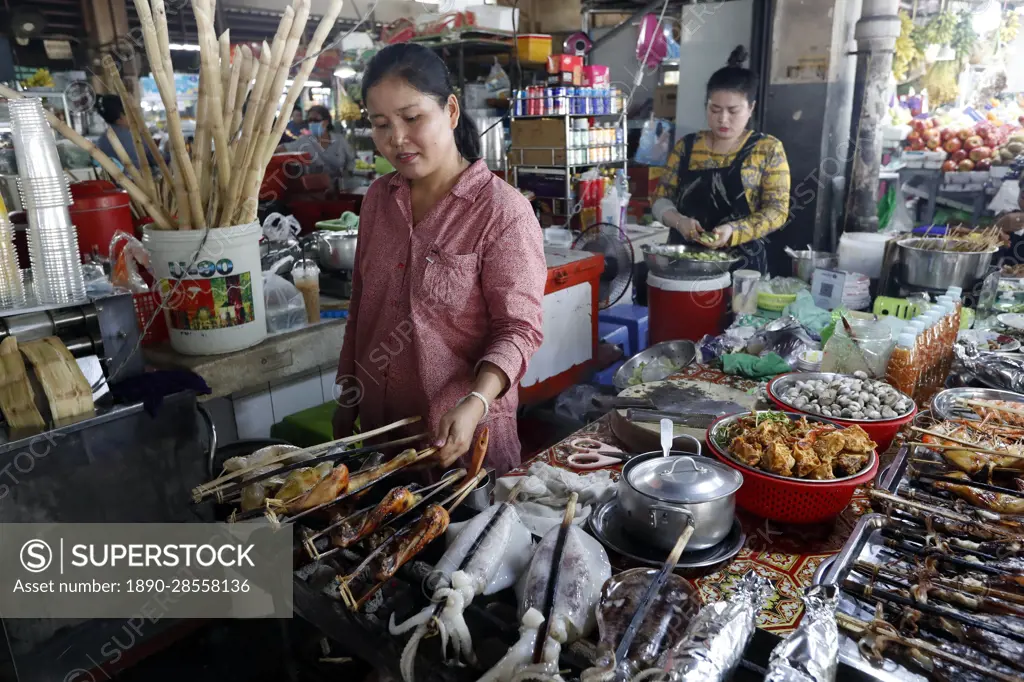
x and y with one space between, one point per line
431 301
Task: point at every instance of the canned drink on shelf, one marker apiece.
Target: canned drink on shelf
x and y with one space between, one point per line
549 102
561 103
520 105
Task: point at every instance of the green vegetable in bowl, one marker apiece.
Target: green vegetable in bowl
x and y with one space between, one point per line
705 256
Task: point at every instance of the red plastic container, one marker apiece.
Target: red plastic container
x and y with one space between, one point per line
882 432
687 309
790 500
99 210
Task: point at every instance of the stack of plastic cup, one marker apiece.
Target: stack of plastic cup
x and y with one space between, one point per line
12 289
52 239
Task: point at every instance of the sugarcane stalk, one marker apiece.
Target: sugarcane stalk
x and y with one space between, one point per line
129 106
306 68
243 147
282 63
122 156
154 28
224 42
231 92
246 76
214 110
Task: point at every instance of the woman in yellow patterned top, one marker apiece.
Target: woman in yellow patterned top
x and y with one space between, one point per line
726 186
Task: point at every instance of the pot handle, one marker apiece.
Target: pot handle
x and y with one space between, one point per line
695 441
655 508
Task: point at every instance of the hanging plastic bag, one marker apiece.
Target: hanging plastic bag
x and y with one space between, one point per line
128 255
498 81
280 228
655 142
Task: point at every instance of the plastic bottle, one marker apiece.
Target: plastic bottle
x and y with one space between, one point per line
610 209
622 189
901 371
584 140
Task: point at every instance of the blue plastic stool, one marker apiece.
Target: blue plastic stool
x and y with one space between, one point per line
635 319
605 376
617 335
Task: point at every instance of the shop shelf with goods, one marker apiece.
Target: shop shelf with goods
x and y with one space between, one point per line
552 131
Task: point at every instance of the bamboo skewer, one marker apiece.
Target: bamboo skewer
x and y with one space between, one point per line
984 404
971 447
211 486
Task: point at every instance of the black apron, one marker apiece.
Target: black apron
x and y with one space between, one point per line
712 197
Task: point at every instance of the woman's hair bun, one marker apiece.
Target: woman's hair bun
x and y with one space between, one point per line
738 56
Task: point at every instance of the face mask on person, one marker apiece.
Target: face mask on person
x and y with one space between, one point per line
316 128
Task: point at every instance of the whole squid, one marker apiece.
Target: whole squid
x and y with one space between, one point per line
487 556
582 571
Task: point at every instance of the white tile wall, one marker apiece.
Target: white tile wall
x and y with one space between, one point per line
296 395
256 412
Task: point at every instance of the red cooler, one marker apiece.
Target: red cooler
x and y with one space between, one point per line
100 210
687 308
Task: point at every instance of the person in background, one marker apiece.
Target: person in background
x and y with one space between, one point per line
726 186
449 275
295 128
331 152
1012 225
112 111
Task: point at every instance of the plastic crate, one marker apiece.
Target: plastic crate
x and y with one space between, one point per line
146 306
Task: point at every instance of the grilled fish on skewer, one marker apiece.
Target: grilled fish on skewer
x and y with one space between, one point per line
429 527
997 502
329 488
355 529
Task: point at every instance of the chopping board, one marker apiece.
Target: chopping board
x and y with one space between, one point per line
644 437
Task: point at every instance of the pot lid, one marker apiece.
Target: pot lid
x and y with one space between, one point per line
685 479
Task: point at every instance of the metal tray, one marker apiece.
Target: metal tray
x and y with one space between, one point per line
680 353
779 385
945 404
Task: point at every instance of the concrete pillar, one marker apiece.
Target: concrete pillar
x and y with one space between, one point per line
876 34
106 23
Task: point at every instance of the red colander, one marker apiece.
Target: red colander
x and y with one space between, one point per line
790 500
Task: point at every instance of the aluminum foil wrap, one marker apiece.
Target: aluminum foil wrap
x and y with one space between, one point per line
995 370
811 652
714 642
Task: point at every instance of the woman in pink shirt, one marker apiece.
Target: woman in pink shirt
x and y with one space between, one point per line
449 276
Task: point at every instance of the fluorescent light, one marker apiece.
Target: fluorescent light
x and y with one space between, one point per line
309 84
345 72
986 19
183 48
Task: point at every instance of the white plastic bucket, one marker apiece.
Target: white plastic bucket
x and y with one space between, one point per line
862 252
218 306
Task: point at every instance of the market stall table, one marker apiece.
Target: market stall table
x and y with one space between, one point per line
788 555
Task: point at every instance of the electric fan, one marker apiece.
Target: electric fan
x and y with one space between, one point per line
609 241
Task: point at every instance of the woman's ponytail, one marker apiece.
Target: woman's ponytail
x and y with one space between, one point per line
467 137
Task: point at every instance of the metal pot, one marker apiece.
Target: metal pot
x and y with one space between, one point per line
336 250
931 269
806 262
660 495
669 261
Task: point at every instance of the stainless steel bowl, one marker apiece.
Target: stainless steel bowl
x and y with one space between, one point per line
720 428
336 250
806 262
679 353
947 404
941 269
669 261
778 386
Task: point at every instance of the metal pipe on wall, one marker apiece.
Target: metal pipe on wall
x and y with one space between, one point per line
876 33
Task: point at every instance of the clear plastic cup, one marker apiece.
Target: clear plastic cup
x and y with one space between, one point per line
306 276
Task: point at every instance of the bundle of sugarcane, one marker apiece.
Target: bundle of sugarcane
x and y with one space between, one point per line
236 129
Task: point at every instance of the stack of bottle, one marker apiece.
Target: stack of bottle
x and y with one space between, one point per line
598 143
923 356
